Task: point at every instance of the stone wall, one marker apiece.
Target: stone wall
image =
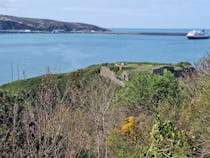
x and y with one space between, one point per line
107 73
178 73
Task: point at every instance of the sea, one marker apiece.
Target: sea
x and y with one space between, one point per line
28 55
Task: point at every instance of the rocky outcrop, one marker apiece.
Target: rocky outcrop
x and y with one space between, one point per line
188 71
45 25
160 71
107 73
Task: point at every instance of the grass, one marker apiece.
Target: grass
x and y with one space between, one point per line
143 67
19 85
75 77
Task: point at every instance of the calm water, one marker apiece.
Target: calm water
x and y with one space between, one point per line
33 53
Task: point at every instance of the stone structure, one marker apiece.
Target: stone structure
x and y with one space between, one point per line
125 76
188 71
160 71
185 72
107 73
121 65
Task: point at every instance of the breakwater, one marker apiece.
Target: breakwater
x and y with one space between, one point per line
143 33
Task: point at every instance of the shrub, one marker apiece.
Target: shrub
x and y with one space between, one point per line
148 90
168 141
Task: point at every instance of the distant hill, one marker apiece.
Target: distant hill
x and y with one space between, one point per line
20 24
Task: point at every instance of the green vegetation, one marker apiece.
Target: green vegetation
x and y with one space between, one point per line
148 90
82 114
17 24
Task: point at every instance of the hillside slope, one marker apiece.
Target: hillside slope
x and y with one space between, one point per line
19 23
82 114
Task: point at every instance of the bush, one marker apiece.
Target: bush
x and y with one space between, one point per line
168 141
183 64
148 90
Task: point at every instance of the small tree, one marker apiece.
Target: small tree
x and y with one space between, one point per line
203 65
168 141
102 92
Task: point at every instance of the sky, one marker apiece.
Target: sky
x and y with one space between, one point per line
116 13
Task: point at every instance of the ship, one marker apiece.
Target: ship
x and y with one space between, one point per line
198 34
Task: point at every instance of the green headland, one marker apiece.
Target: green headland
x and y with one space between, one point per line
117 110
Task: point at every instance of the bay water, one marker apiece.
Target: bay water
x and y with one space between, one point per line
33 53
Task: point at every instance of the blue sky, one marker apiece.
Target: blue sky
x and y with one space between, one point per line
116 13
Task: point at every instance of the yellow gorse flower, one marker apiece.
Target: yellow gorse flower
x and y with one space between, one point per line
128 127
